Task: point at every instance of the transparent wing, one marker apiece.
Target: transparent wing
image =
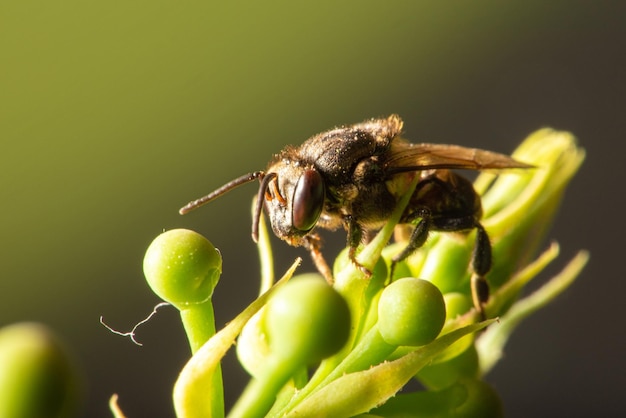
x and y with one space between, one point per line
405 156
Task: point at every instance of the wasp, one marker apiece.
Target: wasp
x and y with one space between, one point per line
352 177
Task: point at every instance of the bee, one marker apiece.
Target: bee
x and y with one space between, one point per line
353 177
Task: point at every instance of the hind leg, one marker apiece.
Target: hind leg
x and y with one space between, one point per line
481 264
417 239
481 255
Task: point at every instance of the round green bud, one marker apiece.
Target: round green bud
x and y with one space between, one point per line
446 262
475 399
457 304
252 345
306 320
411 312
182 267
439 375
37 377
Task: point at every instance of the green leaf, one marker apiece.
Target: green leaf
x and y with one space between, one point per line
491 343
194 381
358 392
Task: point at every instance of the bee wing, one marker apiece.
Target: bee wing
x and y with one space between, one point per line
406 156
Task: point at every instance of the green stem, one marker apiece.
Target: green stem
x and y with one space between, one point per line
199 323
370 351
260 394
358 392
193 396
265 254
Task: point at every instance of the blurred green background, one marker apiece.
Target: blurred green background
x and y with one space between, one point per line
114 114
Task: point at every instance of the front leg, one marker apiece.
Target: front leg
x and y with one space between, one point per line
355 236
313 243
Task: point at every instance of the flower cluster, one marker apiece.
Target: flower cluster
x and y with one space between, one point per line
314 349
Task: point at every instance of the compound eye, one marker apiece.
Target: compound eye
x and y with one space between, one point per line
308 200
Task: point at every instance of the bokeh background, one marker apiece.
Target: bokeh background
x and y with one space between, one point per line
114 114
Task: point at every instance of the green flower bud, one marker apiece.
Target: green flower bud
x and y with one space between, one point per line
446 263
252 345
439 375
37 378
457 304
475 399
307 320
182 267
411 312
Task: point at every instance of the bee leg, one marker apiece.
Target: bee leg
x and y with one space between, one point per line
313 244
481 264
417 239
355 235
